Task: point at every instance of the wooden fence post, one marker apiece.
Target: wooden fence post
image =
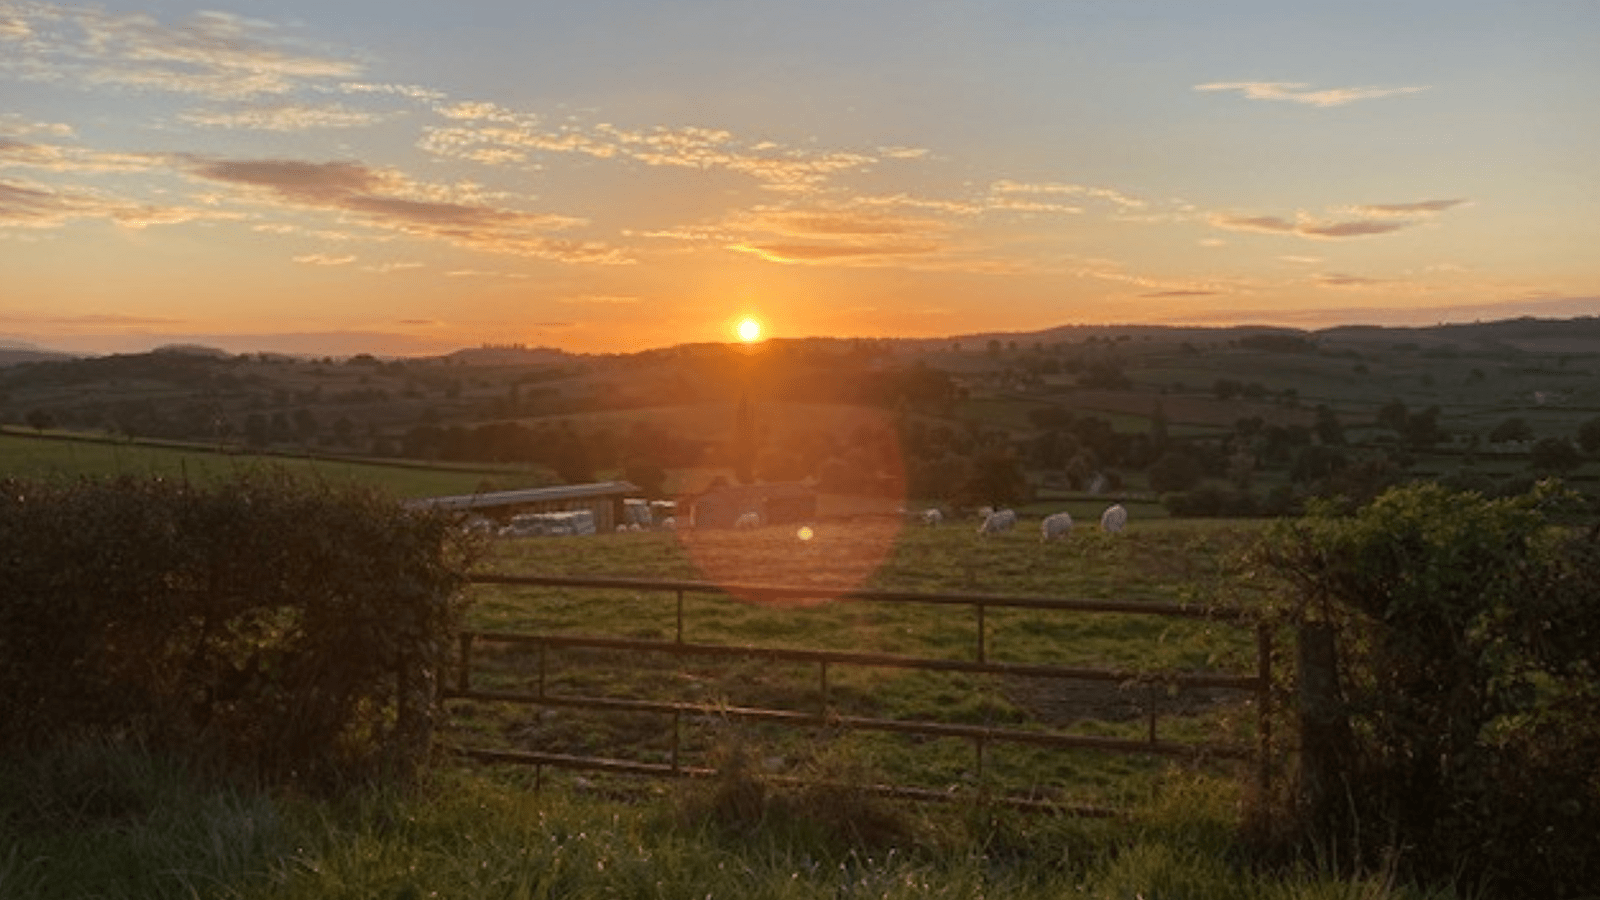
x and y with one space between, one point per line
416 702
1324 727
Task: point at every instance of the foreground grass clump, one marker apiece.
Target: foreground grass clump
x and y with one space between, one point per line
103 819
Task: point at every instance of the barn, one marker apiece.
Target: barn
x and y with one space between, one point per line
605 500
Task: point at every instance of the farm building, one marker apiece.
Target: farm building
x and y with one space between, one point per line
605 501
721 505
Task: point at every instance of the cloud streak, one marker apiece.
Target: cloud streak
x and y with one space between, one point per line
491 134
1299 92
283 117
386 199
1371 220
212 54
28 205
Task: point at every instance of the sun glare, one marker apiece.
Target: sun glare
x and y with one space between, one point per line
749 330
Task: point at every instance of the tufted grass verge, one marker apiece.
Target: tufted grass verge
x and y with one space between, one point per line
105 819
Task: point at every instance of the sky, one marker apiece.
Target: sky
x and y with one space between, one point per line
407 178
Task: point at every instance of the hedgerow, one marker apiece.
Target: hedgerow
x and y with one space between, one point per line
1462 737
287 629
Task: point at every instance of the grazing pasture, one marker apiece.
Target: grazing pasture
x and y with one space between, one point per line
1166 562
24 455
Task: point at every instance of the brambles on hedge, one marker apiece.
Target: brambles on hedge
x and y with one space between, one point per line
288 629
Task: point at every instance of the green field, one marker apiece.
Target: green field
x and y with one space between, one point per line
103 820
26 455
1163 561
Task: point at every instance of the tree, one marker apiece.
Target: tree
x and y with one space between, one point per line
1553 454
1394 415
39 419
1178 469
650 477
1422 429
1589 436
1512 429
1328 429
994 479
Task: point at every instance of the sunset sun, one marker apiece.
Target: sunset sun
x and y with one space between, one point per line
749 330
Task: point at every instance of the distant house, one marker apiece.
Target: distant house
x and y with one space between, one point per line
721 504
605 501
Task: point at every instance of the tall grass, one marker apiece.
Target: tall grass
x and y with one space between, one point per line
106 820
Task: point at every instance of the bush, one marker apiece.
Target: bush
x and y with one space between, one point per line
1468 647
287 629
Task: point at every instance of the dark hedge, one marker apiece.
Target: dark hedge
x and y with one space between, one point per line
287 629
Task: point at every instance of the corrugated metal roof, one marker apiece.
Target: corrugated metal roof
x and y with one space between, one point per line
529 495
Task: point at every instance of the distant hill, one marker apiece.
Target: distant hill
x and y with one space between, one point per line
508 355
11 354
1576 335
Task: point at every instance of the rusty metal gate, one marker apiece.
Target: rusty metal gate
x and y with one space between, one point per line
1253 685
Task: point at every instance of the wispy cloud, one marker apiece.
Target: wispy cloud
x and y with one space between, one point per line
877 254
481 273
1424 207
282 117
323 259
27 205
836 235
1368 220
602 300
385 199
1340 280
491 134
87 320
1298 92
66 158
1000 191
14 125
211 54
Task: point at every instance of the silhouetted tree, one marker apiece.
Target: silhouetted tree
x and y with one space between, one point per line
1554 454
1513 429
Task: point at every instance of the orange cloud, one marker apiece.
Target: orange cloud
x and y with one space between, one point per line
40 206
813 253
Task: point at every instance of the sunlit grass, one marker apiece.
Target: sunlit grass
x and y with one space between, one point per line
473 834
789 816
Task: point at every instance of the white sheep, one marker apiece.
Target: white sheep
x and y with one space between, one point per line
998 521
1055 525
932 516
1114 519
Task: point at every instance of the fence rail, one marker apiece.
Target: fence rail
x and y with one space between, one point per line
824 715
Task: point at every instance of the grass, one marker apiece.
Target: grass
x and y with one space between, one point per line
24 455
1163 560
106 819
478 834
